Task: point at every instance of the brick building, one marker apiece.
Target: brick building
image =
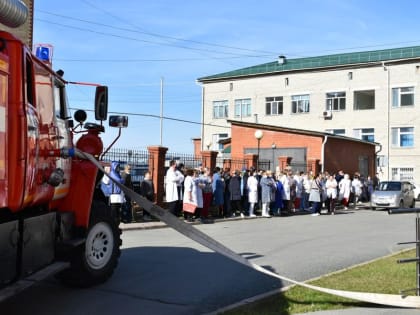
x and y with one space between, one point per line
303 149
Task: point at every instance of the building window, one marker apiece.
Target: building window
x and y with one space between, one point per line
364 100
402 96
402 173
215 141
300 104
274 105
338 132
403 137
366 134
336 101
220 109
243 107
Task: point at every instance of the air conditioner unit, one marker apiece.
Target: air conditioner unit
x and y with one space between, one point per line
327 114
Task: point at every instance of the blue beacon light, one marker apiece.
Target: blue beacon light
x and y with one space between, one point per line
44 52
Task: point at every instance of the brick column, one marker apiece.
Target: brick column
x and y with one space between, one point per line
157 156
209 159
283 162
251 160
313 165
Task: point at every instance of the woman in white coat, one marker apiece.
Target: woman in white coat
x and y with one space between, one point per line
173 179
252 184
345 189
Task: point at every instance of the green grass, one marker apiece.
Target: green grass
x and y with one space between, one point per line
380 276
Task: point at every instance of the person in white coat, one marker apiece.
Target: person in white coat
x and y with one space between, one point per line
331 187
173 179
344 187
193 194
356 186
252 184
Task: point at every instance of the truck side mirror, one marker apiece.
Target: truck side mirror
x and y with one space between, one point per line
101 102
118 121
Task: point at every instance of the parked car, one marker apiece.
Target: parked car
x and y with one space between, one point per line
393 194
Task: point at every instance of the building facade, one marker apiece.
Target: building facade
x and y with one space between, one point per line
370 96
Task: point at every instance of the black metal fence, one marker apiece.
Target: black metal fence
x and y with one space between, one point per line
138 159
297 167
187 160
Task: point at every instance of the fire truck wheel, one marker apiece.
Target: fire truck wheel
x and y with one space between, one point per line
95 262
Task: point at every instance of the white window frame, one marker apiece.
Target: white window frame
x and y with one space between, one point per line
335 101
364 134
300 104
338 132
215 145
220 109
398 94
402 173
276 105
243 107
397 133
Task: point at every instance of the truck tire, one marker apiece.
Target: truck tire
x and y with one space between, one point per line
94 262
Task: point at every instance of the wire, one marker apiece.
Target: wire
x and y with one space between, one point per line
143 40
157 116
154 34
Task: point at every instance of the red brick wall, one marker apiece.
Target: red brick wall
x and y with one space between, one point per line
344 154
243 137
340 154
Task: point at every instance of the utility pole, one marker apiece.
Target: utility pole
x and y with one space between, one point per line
161 111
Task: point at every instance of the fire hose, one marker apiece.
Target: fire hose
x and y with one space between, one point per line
205 240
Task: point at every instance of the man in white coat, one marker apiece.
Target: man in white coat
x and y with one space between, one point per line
173 179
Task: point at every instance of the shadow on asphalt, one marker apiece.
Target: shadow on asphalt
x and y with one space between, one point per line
205 281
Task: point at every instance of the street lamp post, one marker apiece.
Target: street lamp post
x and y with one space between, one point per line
273 146
258 135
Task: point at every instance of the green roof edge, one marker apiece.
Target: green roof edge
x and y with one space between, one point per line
308 63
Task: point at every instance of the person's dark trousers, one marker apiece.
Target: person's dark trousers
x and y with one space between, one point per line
237 205
316 207
126 215
245 204
227 205
172 206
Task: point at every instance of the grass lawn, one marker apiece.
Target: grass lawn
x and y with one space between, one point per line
380 276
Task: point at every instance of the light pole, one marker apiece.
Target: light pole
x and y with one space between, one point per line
258 135
130 154
273 146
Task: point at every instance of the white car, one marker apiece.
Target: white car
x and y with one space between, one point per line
393 194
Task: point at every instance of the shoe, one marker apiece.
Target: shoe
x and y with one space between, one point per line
315 214
345 208
252 215
266 216
242 216
332 213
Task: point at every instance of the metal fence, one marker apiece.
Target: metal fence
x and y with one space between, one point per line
187 160
138 159
297 167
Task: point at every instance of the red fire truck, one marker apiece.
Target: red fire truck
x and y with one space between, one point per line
52 213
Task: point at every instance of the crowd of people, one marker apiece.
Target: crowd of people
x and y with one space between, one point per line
204 194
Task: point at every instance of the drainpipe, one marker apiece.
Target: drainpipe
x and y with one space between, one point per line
202 119
376 154
323 153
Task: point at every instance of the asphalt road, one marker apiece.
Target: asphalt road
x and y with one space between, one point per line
163 272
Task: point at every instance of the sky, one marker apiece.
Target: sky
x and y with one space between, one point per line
151 53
